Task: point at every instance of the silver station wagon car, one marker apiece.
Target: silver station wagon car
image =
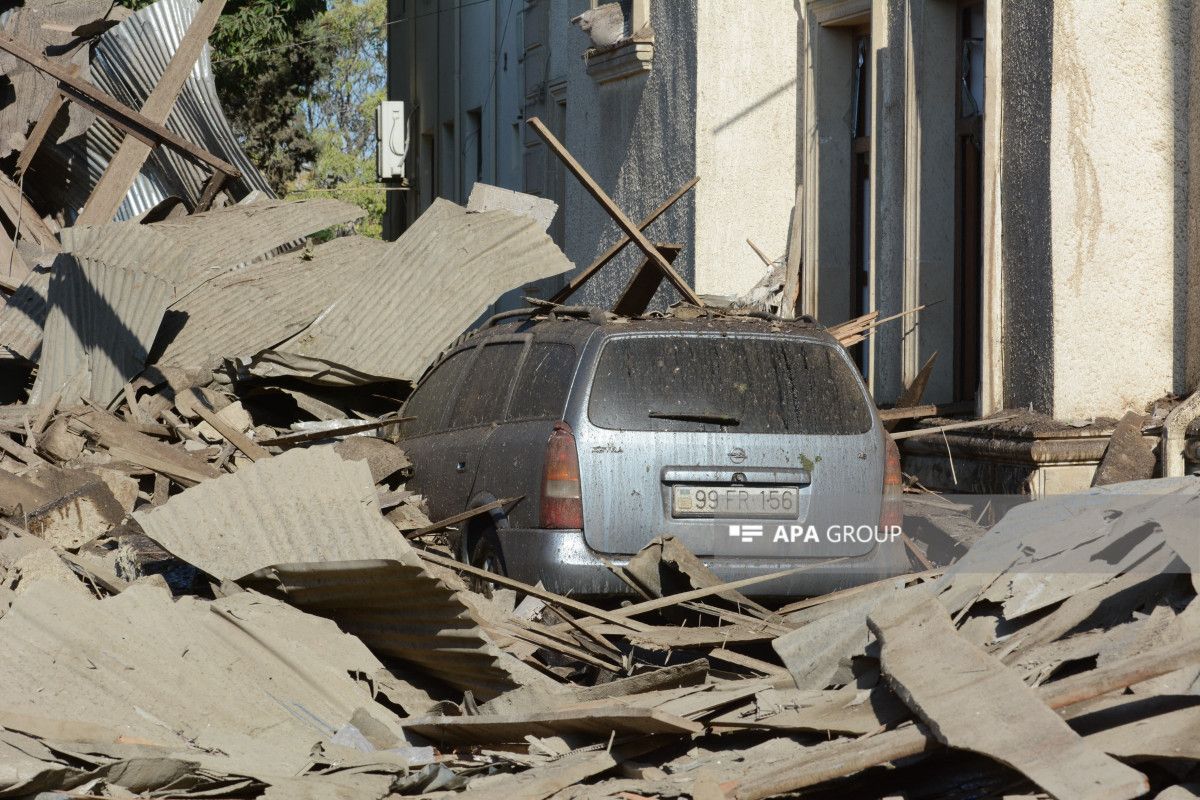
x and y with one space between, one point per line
752 441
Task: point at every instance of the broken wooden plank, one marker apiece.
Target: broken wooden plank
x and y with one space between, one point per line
644 283
116 112
41 129
126 163
625 224
463 516
970 700
758 252
26 222
841 758
954 426
598 723
231 434
124 441
927 410
583 277
913 393
289 439
793 277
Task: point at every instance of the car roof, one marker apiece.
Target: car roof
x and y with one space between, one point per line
575 325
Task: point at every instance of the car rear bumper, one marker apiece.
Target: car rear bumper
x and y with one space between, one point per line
564 563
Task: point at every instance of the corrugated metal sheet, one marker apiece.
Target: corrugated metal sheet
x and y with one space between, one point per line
306 513
189 250
243 685
186 252
45 26
127 62
102 320
239 314
23 315
437 279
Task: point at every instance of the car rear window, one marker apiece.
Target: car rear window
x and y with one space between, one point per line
545 379
428 402
710 383
485 392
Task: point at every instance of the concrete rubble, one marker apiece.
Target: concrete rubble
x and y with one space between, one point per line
214 582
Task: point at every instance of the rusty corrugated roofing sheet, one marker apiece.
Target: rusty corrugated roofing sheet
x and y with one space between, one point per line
101 322
241 313
436 279
243 685
127 62
315 520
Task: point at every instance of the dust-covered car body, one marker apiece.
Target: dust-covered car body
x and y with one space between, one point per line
752 441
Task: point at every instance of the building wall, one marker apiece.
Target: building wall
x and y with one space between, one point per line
1118 174
1090 277
746 99
641 137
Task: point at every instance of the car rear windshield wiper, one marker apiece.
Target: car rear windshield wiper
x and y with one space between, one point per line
696 416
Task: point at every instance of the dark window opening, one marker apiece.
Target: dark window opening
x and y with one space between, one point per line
484 395
713 383
545 379
427 405
968 201
860 222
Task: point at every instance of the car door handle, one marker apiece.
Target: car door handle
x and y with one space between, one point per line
460 466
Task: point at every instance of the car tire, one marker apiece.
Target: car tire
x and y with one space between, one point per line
482 551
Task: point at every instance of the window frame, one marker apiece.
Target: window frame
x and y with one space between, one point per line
521 368
470 352
523 341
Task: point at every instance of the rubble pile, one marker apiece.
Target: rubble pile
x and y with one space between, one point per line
213 582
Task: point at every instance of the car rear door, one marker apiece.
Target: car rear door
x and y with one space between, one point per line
478 407
511 465
777 428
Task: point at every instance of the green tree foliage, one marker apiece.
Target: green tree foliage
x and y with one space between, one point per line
268 55
299 81
340 112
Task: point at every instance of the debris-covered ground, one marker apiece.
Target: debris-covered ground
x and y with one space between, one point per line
215 584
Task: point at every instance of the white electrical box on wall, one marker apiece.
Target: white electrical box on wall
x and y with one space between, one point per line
391 140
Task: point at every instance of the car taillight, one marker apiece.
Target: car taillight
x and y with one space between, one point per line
892 512
562 504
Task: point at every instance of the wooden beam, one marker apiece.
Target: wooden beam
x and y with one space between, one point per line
766 259
126 163
579 280
593 188
463 516
13 269
913 393
241 441
38 134
209 193
644 283
131 122
975 423
793 279
24 218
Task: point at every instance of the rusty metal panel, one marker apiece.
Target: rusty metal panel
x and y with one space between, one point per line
313 520
438 278
101 322
127 62
239 314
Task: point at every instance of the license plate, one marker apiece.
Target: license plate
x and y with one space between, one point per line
775 502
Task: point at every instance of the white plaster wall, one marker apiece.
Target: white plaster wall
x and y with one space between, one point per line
1118 201
745 139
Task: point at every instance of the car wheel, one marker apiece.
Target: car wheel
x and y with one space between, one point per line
485 554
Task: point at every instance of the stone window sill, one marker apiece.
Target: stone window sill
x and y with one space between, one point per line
623 60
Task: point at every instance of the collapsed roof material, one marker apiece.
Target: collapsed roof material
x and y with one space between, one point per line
127 62
141 674
308 524
434 281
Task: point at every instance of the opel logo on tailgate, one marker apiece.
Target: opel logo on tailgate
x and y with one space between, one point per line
737 455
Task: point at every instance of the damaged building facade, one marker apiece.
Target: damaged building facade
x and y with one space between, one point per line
1018 168
643 117
1008 180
